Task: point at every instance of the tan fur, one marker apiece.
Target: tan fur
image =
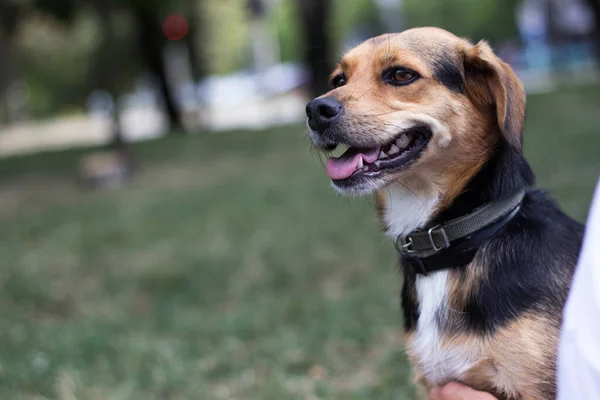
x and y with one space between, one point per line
493 83
463 286
517 361
495 97
448 163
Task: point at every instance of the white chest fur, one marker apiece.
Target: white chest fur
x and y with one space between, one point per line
438 363
405 212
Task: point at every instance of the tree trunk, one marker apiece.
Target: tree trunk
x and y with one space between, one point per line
102 75
595 7
314 16
151 45
265 48
9 72
194 40
7 77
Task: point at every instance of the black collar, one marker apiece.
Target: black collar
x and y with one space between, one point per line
455 242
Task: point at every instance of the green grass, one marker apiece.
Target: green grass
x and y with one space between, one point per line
228 269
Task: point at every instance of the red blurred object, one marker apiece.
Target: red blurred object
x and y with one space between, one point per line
175 27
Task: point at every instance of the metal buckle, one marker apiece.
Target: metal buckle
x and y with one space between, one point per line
430 234
405 248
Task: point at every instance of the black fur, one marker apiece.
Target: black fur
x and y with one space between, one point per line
528 265
446 72
409 306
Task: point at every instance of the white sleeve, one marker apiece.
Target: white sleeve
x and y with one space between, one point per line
579 349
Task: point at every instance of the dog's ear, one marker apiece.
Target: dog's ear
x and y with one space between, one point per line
492 83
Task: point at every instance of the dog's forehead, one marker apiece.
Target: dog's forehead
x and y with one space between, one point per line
432 52
427 44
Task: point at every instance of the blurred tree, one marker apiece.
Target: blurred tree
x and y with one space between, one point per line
595 7
101 70
194 37
284 23
55 59
493 20
315 17
265 48
390 13
225 50
10 13
356 21
63 10
151 43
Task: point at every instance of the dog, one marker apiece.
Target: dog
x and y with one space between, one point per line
434 128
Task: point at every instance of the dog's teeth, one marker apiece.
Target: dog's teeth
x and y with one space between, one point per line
360 163
394 150
382 154
402 141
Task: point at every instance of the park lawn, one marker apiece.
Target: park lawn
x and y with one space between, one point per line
227 269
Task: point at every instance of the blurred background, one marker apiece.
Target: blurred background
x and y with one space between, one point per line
165 232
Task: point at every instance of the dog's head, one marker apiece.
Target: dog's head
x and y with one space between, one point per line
419 105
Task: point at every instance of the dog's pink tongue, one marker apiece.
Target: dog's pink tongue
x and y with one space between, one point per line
347 163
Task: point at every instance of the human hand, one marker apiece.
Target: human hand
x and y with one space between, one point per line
457 391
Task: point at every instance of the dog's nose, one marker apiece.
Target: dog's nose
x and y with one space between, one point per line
322 112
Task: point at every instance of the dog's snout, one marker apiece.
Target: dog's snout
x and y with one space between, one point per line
322 112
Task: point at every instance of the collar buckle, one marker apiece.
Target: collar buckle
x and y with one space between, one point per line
442 232
459 238
404 245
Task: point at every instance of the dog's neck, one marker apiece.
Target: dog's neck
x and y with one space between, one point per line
408 208
405 209
504 174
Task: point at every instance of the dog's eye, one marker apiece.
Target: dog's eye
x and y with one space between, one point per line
338 80
400 76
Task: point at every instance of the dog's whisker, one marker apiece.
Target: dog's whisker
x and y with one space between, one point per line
318 154
367 91
411 191
377 115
